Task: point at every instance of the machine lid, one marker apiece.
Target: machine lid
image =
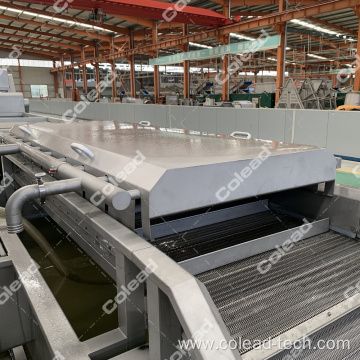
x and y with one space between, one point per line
177 170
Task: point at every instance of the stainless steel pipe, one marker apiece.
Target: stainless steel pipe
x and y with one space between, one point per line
16 201
9 149
120 199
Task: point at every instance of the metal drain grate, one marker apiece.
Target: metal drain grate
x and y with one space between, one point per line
309 279
196 242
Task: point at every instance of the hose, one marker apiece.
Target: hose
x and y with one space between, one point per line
51 255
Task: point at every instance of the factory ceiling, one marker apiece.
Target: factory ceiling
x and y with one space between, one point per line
327 29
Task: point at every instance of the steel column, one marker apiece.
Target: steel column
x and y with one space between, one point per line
113 71
337 63
226 59
225 75
73 80
357 67
56 81
131 60
281 53
20 76
186 66
225 70
97 72
83 58
156 68
63 74
114 79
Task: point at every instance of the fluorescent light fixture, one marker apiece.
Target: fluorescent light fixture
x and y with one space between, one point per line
52 18
273 59
317 56
241 37
14 10
200 45
313 27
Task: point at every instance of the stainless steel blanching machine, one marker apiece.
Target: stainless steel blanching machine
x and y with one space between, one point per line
13 107
236 239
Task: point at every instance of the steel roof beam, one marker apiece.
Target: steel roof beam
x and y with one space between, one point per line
265 21
250 13
58 44
136 20
266 2
57 27
115 29
35 46
38 53
333 26
48 34
316 38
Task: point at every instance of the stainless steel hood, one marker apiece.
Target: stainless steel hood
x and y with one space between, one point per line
176 173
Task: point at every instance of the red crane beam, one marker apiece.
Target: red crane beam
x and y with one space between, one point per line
148 9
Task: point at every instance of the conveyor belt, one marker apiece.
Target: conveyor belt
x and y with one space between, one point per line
309 279
344 338
345 329
196 242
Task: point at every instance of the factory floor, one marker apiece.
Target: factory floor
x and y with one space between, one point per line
349 174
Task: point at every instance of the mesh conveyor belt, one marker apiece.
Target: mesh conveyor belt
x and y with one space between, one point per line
309 279
193 243
346 329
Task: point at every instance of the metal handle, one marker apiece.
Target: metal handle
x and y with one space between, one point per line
39 177
26 131
241 135
82 149
145 123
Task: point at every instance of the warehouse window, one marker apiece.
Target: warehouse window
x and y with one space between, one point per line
25 62
37 90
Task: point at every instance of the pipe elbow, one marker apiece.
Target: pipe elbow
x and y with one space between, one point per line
13 208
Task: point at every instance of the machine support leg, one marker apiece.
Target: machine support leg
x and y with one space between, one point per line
131 307
164 327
